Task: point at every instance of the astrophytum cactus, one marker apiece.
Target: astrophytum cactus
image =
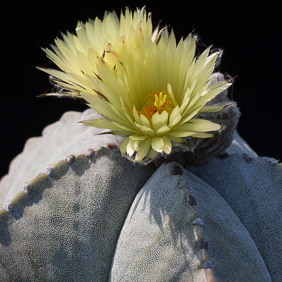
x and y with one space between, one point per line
153 186
96 216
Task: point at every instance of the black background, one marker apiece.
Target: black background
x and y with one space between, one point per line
248 32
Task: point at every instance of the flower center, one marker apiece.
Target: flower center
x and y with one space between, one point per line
158 101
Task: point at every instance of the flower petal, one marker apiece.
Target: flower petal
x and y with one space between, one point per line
136 115
200 125
203 135
153 154
144 121
132 147
145 130
163 130
102 107
124 145
167 145
180 133
143 149
101 123
174 117
176 139
138 137
157 144
211 108
158 120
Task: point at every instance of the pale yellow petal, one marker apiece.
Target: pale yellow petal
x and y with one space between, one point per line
102 107
211 108
124 145
117 128
143 149
132 147
176 139
158 120
101 123
145 130
185 101
169 89
208 95
138 137
203 135
157 144
162 130
144 121
167 145
174 117
180 133
136 115
199 125
153 154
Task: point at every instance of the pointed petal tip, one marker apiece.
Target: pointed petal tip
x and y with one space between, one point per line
41 95
232 79
49 95
227 105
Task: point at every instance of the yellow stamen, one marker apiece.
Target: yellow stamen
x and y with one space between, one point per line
158 101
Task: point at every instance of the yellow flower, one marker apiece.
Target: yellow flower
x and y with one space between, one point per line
149 88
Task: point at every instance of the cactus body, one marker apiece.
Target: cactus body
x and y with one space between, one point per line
60 139
64 227
185 232
252 188
82 221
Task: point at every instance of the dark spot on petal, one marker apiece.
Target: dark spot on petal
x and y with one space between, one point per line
247 158
103 97
176 169
191 200
223 155
70 159
111 145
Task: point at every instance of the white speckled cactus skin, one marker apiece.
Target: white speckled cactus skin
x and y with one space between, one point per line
96 216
